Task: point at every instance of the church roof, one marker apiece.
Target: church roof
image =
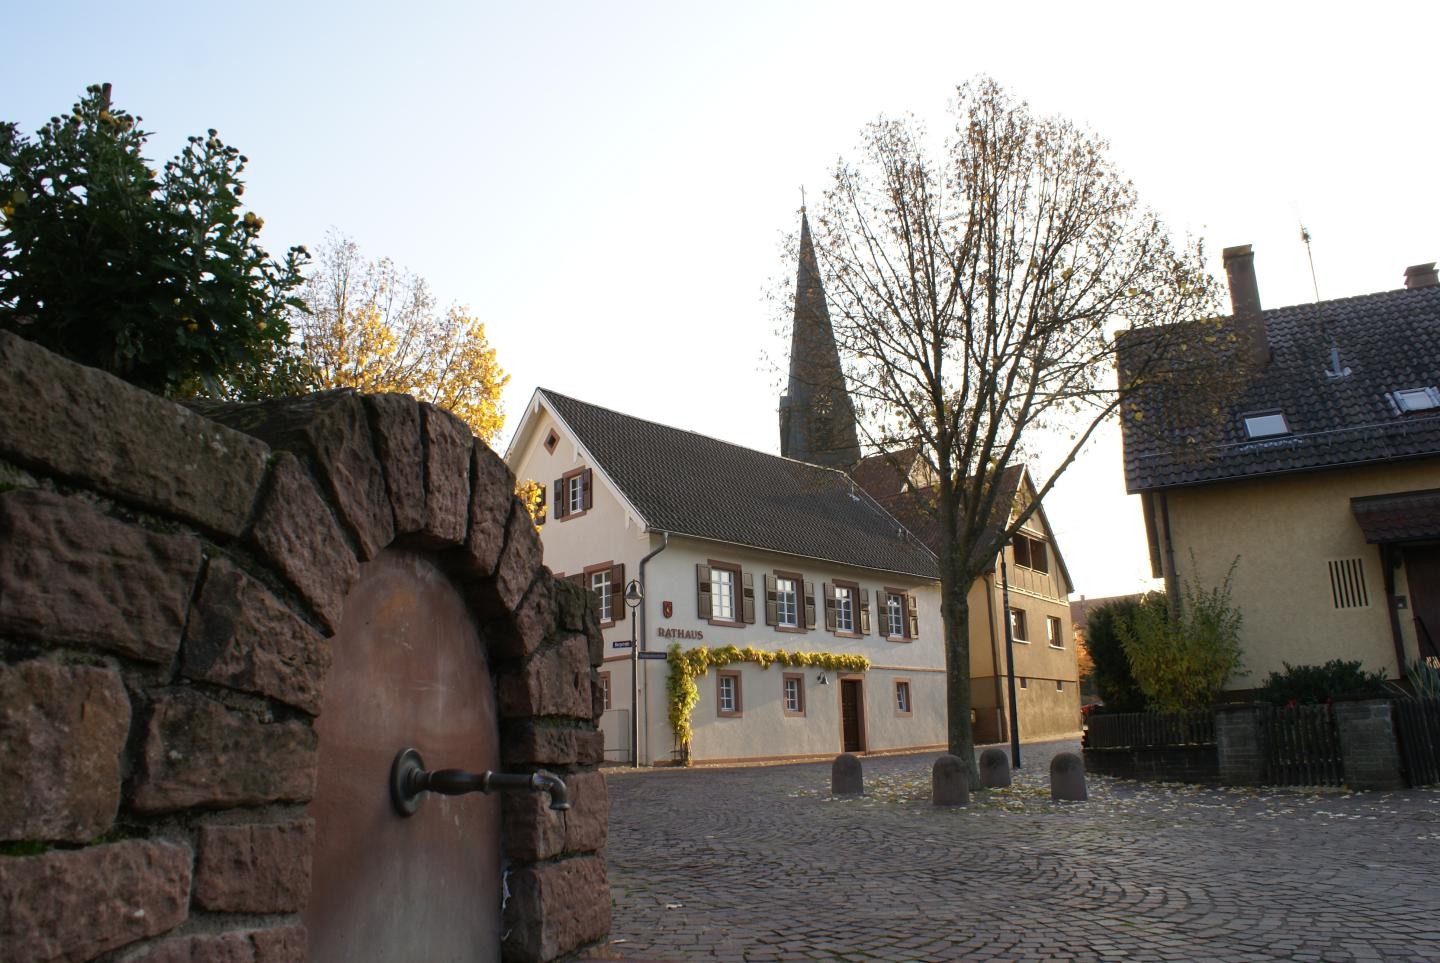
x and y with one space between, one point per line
690 484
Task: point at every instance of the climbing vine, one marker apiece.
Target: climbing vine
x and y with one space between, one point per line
687 665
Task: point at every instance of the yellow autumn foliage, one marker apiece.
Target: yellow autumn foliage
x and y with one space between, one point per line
375 327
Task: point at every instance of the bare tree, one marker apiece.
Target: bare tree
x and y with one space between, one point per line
976 301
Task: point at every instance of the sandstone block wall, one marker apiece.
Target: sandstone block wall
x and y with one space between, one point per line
169 580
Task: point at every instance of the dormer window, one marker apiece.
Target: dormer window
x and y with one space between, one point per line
1407 400
1266 424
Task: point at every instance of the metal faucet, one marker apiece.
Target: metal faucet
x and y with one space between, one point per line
409 779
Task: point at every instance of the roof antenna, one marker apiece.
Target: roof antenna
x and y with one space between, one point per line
1335 370
802 198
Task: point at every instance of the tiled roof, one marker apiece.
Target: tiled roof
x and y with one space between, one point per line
1405 517
689 484
1388 341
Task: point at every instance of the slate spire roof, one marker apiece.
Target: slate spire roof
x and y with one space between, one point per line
690 484
1388 341
817 418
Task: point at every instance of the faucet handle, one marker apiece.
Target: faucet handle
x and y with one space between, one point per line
409 779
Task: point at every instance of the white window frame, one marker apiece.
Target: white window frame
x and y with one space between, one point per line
793 694
902 697
575 494
787 603
597 581
727 700
844 608
722 595
605 690
894 615
1053 630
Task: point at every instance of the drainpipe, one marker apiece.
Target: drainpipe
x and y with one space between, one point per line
636 661
1388 563
1172 582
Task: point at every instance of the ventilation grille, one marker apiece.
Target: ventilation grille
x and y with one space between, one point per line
1347 584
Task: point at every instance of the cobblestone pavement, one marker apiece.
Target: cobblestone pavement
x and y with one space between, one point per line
759 863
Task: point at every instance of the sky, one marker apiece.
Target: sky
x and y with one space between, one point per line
608 185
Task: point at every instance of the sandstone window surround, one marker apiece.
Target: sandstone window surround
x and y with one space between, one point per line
727 693
783 601
902 697
900 613
574 494
792 692
847 609
724 594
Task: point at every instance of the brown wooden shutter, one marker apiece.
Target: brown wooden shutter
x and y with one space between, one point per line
809 605
586 499
772 600
914 619
617 592
559 498
747 600
882 614
829 595
864 611
703 607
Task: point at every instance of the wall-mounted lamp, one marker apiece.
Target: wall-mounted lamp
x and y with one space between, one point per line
821 679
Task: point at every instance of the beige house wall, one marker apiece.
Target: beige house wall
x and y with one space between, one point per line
1285 531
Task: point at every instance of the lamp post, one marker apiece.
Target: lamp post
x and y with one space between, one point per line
634 595
1010 661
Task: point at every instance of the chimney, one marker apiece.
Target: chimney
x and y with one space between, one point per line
1421 276
1240 272
1245 302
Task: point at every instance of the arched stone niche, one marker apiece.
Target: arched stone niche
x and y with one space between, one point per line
169 584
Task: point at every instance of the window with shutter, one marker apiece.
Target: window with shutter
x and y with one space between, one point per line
607 581
846 612
901 618
572 494
727 595
790 594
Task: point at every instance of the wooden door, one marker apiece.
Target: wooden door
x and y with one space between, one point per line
1422 571
852 715
409 671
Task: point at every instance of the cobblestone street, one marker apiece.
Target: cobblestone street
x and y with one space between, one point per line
761 864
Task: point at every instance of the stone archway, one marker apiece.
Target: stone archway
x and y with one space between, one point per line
169 585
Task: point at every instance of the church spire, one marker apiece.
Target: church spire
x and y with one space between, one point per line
817 419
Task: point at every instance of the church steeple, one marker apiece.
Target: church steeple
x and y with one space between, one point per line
817 419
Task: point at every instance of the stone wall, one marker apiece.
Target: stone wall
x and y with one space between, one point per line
168 585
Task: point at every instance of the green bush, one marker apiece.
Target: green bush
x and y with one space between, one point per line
1316 684
156 275
1184 662
1113 680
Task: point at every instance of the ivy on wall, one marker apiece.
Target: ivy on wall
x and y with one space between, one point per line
687 665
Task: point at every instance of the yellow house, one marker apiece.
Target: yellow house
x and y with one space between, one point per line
1318 478
1036 582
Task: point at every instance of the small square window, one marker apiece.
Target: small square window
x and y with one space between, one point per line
551 440
1059 685
1024 682
1267 424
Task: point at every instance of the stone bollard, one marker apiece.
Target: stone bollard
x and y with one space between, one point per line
994 769
1067 777
845 777
949 783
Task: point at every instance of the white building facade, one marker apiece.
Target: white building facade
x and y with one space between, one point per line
734 547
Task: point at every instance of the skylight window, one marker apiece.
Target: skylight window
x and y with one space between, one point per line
1416 399
1266 424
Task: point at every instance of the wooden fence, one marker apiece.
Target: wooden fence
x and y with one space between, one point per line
1302 747
1417 723
1151 730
